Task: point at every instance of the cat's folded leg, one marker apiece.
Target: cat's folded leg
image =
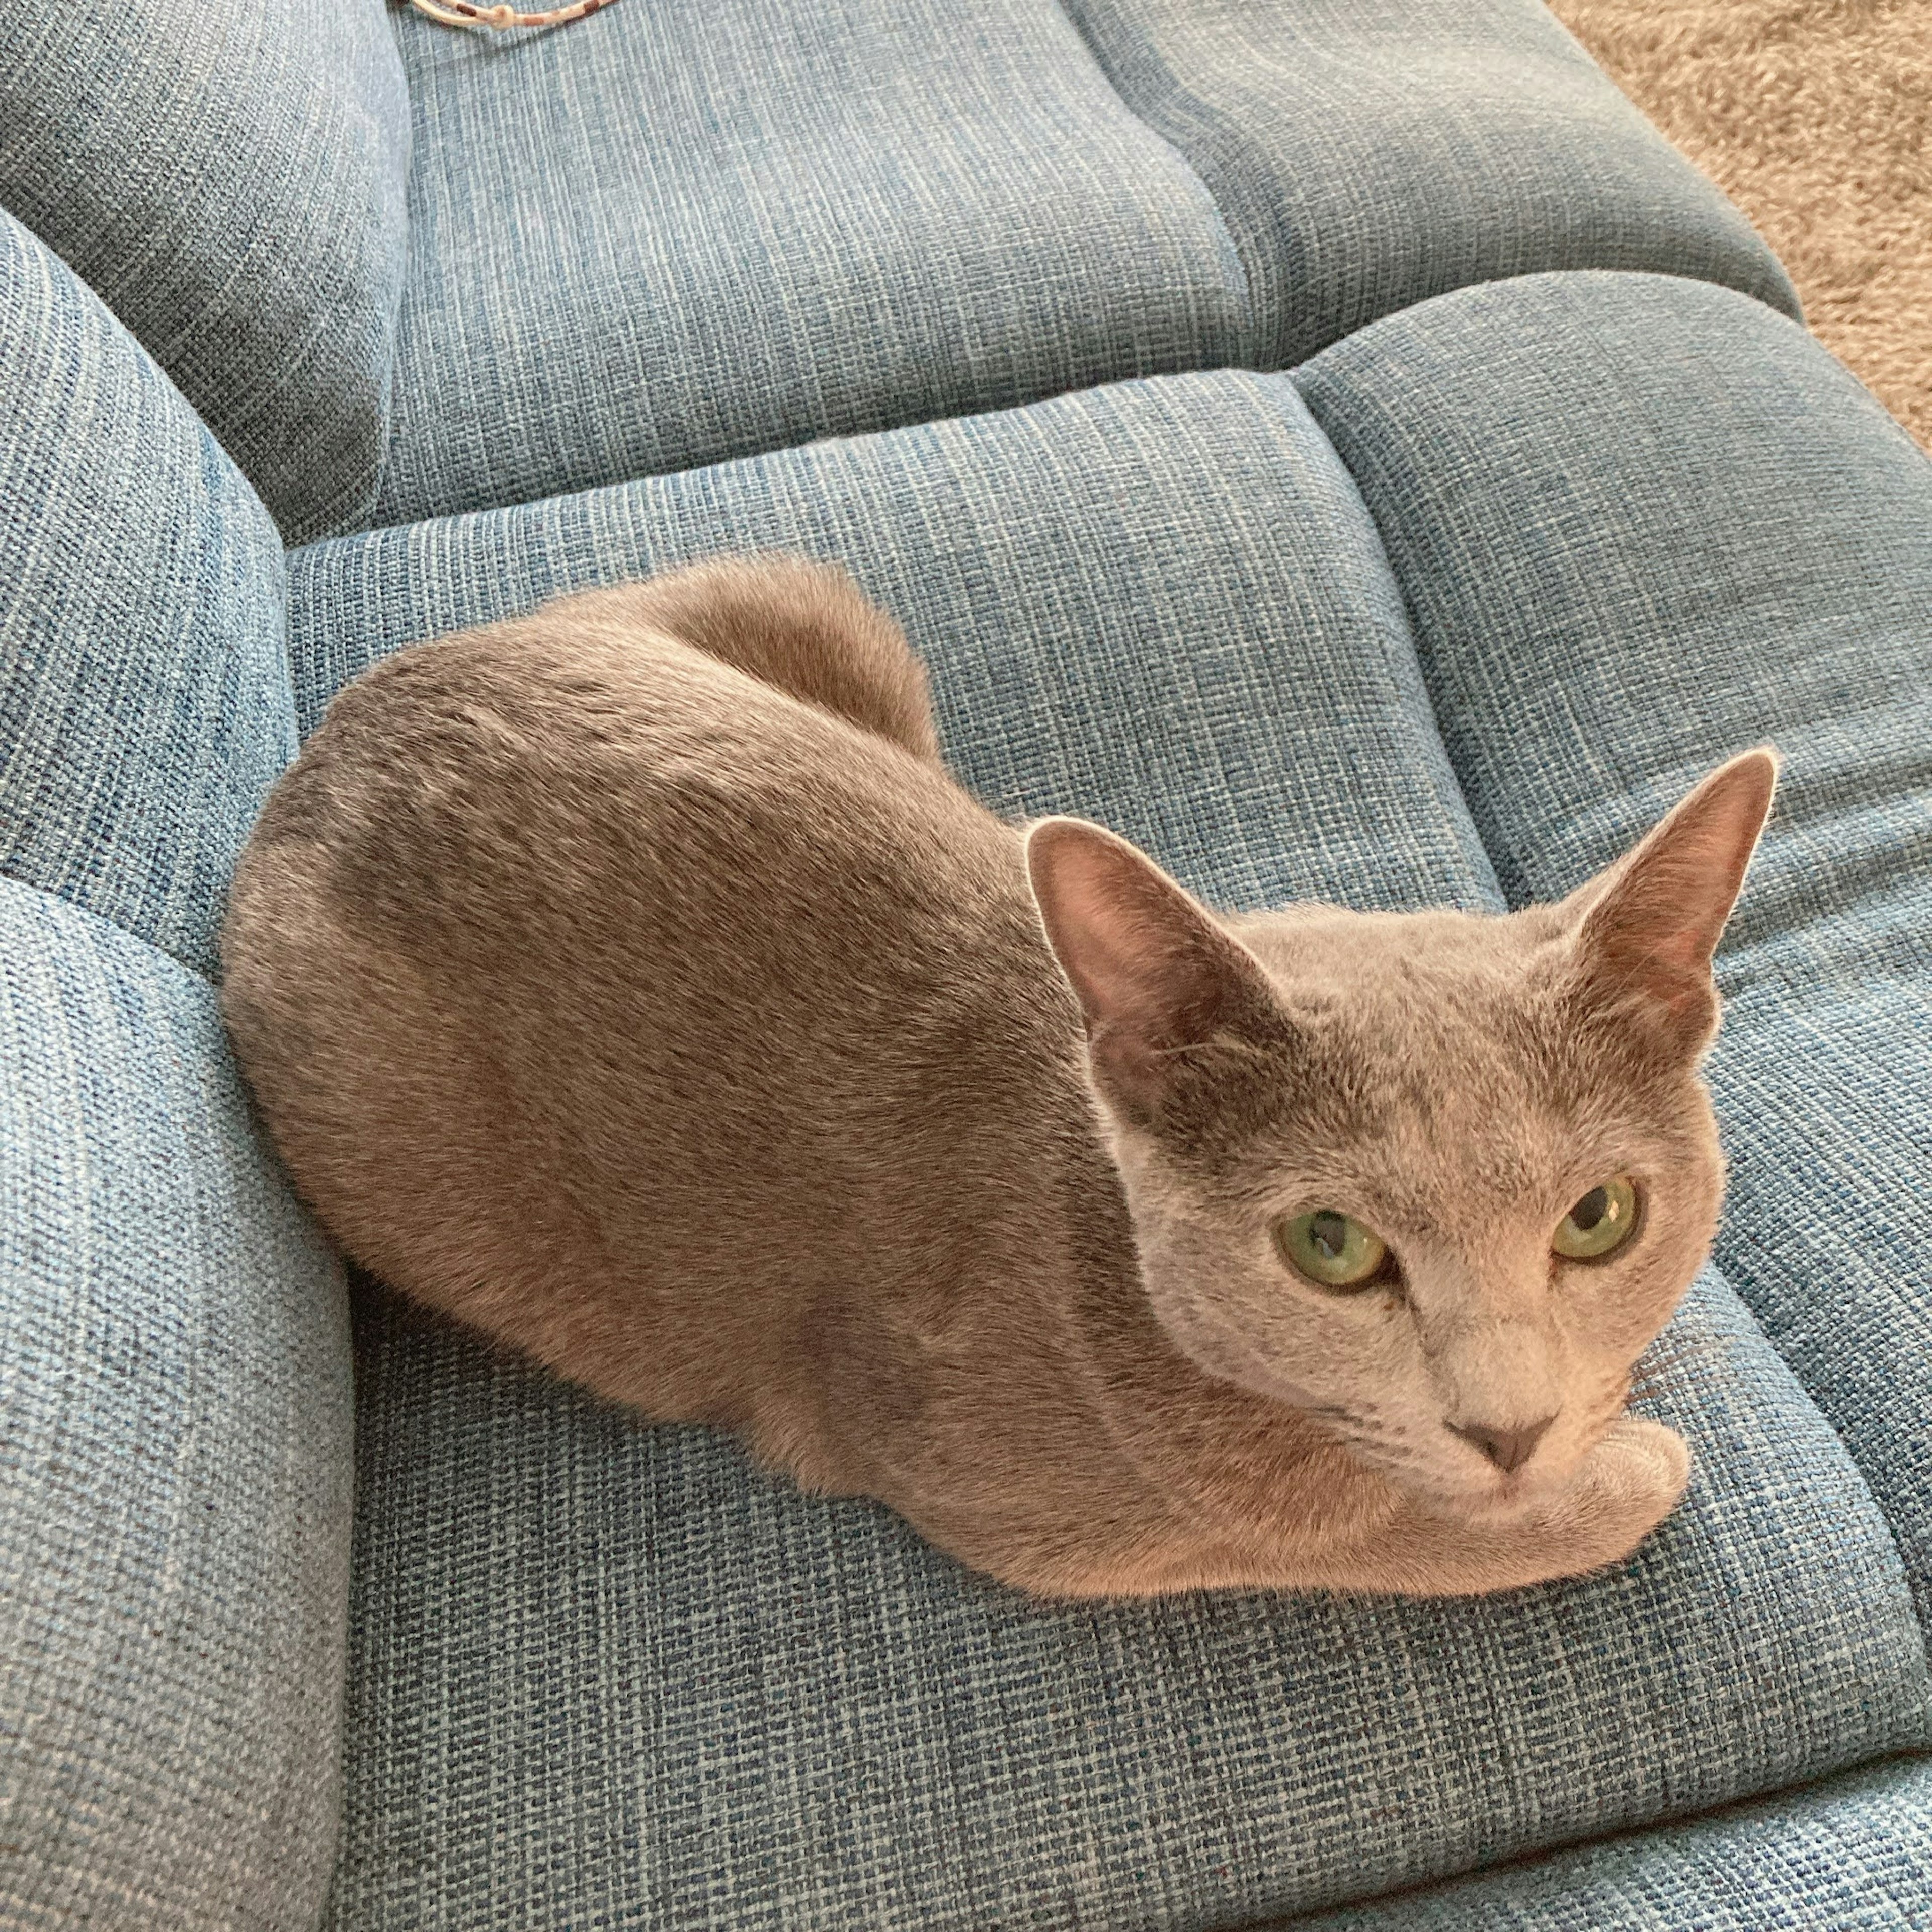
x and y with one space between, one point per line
1629 1483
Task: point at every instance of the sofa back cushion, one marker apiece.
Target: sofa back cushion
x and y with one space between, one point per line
174 1365
145 706
230 179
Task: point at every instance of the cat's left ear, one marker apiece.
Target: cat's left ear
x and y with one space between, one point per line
1648 927
1154 973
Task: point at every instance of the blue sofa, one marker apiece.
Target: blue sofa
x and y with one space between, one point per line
1336 443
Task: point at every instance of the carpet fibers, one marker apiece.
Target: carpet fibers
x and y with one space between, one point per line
1815 116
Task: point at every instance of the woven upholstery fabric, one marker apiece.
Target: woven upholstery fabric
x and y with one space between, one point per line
603 1673
1850 1855
1368 154
145 707
609 1673
1125 690
231 179
175 1466
679 234
1641 524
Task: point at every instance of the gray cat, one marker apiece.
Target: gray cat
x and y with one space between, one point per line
631 981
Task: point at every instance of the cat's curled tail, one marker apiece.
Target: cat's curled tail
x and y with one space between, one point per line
805 628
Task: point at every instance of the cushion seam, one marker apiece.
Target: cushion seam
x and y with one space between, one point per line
114 926
1429 1889
1246 260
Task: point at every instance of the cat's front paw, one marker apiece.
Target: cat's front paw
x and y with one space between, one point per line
1628 1483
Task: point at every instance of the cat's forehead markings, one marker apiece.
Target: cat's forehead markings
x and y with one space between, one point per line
1450 1195
1437 1113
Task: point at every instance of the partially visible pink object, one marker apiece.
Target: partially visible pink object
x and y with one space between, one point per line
464 13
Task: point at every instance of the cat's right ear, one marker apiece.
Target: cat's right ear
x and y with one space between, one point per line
1154 973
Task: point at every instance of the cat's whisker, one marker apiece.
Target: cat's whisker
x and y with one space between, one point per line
1651 1372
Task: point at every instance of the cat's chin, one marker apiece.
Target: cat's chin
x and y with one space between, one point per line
1508 1497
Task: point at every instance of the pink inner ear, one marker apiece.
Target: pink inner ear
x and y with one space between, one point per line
1657 922
1146 962
1104 938
1102 920
1686 933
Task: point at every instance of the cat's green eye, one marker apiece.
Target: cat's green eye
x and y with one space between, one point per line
1333 1250
1600 1223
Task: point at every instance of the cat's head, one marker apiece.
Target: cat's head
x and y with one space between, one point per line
1435 1178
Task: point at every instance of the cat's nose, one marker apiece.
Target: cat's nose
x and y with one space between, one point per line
1508 1448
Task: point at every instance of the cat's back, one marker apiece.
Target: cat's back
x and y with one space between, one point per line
618 816
566 947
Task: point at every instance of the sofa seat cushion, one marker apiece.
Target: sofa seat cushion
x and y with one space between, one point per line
1850 1854
231 179
175 1464
609 1672
678 234
145 706
1641 523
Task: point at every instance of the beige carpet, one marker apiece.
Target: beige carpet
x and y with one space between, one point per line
1815 116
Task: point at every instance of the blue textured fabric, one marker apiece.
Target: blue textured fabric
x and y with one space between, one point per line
1845 1855
604 1673
1368 154
678 234
175 1464
1853 1854
145 707
231 178
1641 524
